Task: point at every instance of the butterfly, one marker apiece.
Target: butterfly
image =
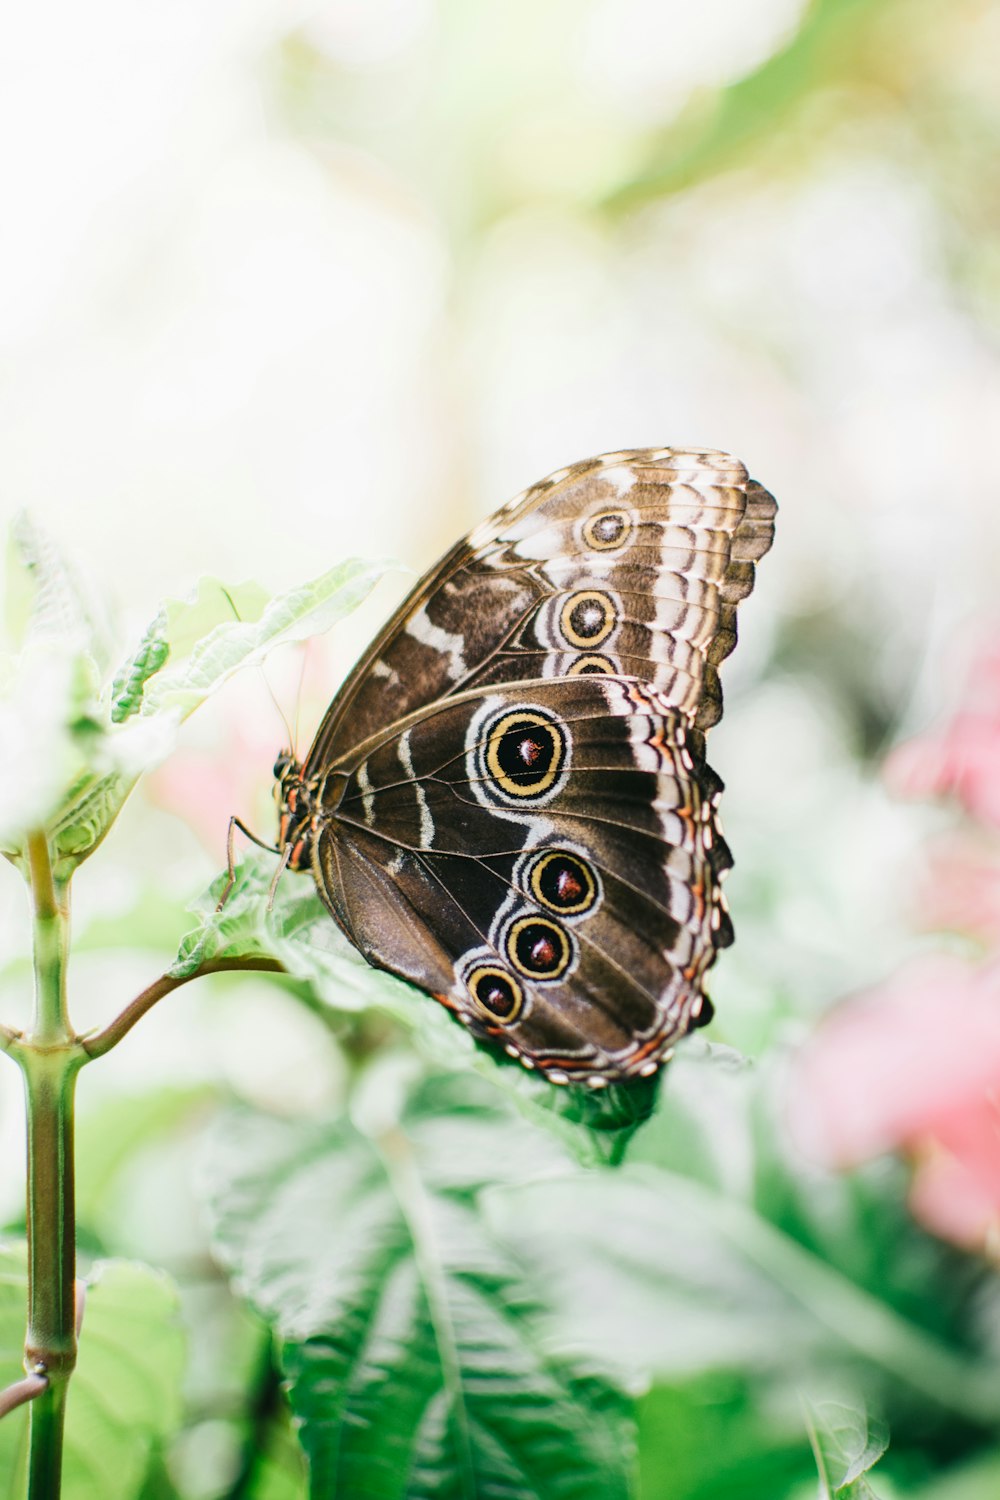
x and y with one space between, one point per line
508 803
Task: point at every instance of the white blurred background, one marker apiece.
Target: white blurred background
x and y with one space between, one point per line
285 282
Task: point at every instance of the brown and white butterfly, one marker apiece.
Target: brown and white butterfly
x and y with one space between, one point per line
508 803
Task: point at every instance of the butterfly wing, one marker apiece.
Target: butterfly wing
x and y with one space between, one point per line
632 563
544 857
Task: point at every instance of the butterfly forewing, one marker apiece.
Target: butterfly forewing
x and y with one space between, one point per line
508 802
632 562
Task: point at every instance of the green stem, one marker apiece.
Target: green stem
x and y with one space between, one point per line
50 1056
50 910
46 1421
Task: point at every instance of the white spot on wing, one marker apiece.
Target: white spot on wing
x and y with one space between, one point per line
450 645
426 821
622 478
367 794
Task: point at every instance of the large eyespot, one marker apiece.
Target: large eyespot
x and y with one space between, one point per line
608 530
538 947
593 664
495 993
587 618
563 882
524 754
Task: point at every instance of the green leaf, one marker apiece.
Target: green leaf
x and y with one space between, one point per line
596 1126
717 133
688 1260
721 1435
125 1396
291 925
846 1445
202 641
971 1480
47 600
414 1344
73 749
109 1136
48 734
131 678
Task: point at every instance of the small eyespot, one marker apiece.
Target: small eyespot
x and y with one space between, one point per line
563 882
592 665
608 530
495 992
538 948
587 618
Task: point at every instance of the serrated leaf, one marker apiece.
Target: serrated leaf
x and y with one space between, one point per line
230 921
296 929
413 1342
222 630
131 678
48 599
125 1395
71 754
846 1444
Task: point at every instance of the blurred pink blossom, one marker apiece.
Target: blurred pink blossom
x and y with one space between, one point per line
243 733
963 758
914 1065
959 889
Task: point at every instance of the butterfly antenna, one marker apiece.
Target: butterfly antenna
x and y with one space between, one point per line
270 690
280 711
298 697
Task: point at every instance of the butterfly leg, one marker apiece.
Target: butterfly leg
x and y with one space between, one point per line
235 823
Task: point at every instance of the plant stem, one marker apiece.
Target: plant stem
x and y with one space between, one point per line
50 1346
98 1043
21 1391
50 904
50 1056
46 1421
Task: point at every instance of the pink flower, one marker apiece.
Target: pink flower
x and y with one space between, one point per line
959 890
913 1065
963 759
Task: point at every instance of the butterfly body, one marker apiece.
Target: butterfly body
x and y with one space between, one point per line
508 802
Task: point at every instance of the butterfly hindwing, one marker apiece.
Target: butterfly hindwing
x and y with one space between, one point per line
545 858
